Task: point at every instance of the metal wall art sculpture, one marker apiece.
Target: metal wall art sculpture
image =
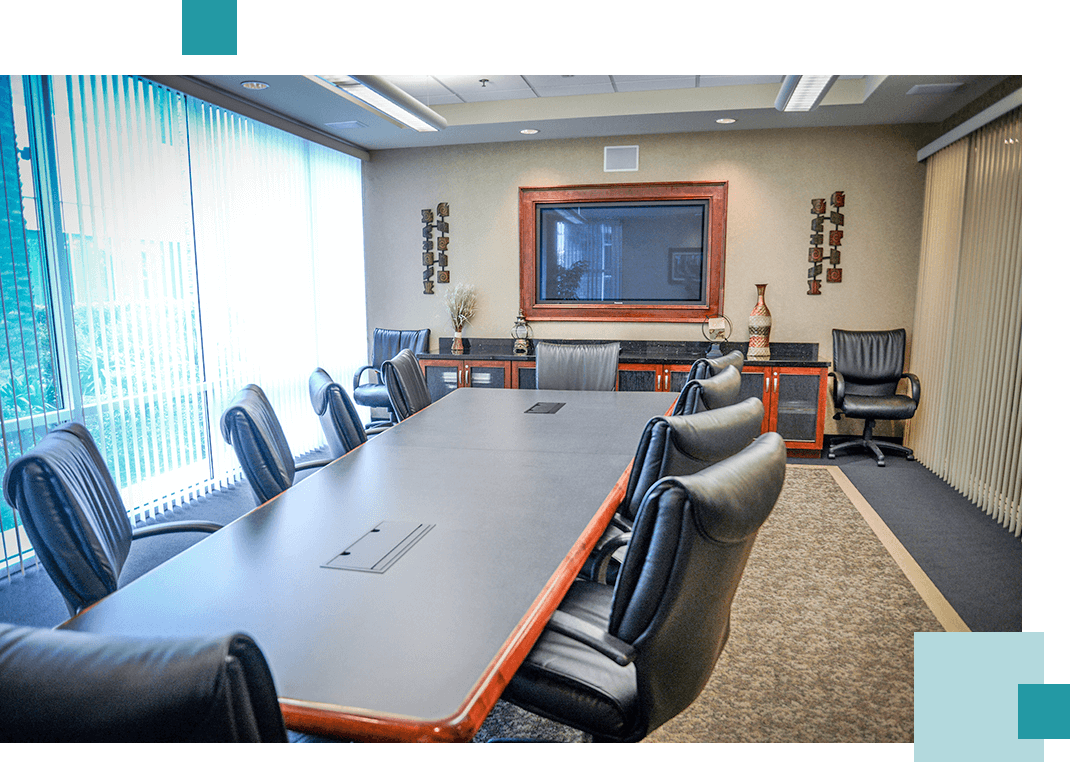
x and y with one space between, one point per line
433 246
834 274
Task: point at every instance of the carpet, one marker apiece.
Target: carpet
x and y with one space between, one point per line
822 642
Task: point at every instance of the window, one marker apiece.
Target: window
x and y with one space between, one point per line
160 253
652 252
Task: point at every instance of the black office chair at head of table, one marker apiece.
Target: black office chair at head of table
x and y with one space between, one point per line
707 367
579 367
74 516
674 445
867 367
709 393
75 687
386 343
406 384
618 662
250 424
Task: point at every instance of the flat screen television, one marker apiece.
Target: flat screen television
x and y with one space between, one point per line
622 252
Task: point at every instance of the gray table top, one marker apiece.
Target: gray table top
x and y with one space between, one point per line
495 498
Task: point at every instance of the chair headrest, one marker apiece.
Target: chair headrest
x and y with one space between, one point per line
710 393
406 384
869 357
87 687
72 512
583 367
683 444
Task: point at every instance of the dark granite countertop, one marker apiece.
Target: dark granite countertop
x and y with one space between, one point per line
669 352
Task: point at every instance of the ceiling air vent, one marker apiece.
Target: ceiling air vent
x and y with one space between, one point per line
350 125
621 159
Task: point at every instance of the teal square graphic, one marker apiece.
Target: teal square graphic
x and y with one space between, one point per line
209 27
966 695
1044 711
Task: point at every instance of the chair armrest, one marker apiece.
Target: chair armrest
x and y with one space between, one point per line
359 373
600 568
311 464
616 649
838 390
915 386
378 427
167 527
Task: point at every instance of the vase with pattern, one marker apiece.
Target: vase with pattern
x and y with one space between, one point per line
759 323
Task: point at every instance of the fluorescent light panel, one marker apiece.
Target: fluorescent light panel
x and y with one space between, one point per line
801 92
391 101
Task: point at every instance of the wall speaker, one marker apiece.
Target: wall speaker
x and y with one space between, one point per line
621 159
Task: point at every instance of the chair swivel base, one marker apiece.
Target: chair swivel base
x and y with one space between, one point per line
867 442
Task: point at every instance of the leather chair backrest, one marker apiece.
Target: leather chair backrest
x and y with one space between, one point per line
710 393
338 415
249 424
580 367
76 687
73 514
707 367
870 362
387 342
691 541
677 445
406 383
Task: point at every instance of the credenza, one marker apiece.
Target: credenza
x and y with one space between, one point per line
792 384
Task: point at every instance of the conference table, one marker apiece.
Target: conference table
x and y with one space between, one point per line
395 591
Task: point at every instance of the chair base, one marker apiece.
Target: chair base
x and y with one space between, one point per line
867 442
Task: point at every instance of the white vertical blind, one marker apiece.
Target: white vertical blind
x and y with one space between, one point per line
206 251
29 393
281 268
127 220
968 320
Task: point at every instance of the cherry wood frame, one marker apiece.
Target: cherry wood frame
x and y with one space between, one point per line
714 193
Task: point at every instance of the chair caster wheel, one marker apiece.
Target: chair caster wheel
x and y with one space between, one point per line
832 456
910 457
880 463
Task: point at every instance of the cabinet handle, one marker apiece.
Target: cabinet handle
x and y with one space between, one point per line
767 383
776 380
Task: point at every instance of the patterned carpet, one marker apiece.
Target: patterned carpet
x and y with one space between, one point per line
821 648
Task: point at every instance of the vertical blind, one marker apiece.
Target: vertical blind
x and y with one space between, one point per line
968 320
194 251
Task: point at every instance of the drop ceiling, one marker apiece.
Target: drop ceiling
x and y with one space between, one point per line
489 108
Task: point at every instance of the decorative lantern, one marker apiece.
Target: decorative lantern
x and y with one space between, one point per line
521 334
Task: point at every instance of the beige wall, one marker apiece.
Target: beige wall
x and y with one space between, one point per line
771 175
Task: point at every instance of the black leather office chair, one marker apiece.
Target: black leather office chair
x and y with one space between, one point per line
707 367
406 384
581 367
709 393
866 369
338 415
73 687
74 516
618 662
674 445
386 343
250 424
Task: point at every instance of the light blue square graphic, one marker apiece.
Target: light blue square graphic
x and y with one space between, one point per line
966 694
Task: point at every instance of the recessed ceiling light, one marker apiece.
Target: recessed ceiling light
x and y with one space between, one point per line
529 132
250 85
726 121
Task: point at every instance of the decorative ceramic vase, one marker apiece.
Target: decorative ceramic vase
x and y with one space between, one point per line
458 347
759 323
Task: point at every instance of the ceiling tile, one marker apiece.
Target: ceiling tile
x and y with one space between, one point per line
637 83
